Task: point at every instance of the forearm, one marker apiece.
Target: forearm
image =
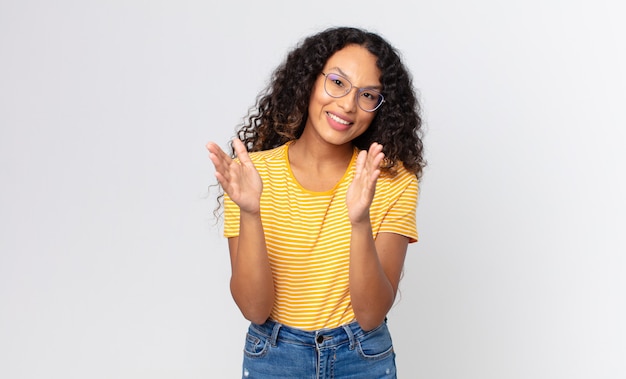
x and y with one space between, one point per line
252 284
371 291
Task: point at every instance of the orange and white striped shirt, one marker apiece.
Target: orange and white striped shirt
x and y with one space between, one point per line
307 236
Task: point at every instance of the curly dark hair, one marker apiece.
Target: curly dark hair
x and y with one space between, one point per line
281 109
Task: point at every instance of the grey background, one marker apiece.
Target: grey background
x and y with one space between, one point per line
111 265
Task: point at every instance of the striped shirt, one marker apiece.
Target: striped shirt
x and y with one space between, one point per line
307 237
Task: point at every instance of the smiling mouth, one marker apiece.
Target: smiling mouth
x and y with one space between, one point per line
337 119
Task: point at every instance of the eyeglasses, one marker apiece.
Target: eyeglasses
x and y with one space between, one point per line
337 86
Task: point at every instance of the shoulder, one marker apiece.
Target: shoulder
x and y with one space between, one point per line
270 161
402 183
399 176
275 154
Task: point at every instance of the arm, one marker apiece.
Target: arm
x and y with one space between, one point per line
251 283
375 270
375 266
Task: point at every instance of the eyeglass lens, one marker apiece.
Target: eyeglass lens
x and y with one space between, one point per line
338 86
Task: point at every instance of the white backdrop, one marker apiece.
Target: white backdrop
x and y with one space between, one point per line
111 265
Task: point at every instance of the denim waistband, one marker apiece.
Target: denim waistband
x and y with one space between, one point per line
321 338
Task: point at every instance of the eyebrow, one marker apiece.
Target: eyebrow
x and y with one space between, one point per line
376 87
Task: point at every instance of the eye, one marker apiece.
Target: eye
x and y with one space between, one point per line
336 80
371 95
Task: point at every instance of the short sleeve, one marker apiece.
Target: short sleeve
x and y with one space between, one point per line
401 216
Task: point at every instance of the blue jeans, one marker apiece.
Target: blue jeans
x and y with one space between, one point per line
273 350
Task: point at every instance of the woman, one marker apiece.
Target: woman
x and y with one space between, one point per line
319 208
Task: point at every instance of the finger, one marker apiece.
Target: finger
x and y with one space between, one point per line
222 181
375 147
221 161
212 147
375 150
221 167
241 151
375 156
360 163
215 150
376 160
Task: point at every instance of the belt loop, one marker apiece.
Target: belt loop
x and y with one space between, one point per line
274 336
348 331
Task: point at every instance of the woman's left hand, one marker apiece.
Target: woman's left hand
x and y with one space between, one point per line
361 191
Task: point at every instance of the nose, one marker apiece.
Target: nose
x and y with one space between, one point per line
349 101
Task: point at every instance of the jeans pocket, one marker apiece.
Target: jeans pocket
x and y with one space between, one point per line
375 344
255 347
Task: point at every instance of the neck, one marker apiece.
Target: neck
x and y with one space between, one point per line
319 154
318 168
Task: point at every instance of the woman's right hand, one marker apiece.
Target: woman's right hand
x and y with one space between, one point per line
239 179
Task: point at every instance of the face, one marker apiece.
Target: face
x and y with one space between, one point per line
339 120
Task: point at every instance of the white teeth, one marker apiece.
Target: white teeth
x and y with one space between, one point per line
339 120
